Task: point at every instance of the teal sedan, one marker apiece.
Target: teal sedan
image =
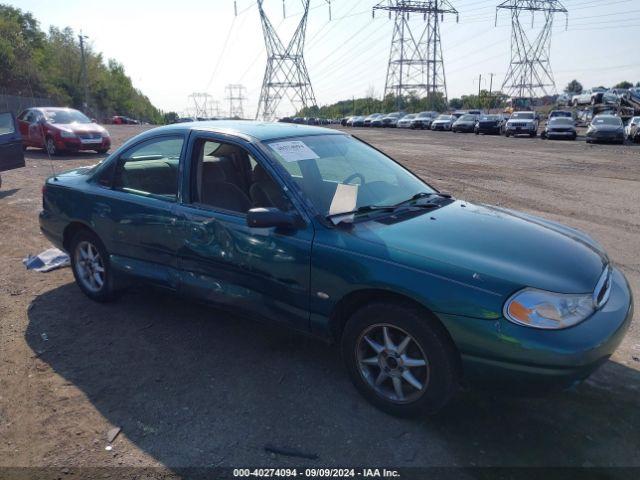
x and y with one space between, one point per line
321 232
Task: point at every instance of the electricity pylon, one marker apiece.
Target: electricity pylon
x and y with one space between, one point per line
286 73
236 98
416 64
529 73
202 104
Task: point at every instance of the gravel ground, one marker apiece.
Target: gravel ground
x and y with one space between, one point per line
190 386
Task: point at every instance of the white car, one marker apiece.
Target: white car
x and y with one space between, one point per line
522 123
405 122
632 127
443 122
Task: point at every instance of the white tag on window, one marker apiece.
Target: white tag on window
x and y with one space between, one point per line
345 199
294 151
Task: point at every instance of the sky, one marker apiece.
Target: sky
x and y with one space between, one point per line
172 49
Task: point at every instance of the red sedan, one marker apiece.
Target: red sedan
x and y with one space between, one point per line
61 129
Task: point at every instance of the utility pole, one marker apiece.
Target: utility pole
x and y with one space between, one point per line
286 71
235 95
85 80
416 64
529 73
491 92
479 85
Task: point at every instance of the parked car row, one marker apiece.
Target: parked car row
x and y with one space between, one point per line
560 124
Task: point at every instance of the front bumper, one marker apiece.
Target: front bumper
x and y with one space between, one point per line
520 130
440 126
552 134
515 355
464 128
605 137
74 144
495 129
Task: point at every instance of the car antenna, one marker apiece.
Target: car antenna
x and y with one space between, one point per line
51 164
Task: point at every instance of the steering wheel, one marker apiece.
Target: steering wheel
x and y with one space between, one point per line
353 176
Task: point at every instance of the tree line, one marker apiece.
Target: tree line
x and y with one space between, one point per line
35 63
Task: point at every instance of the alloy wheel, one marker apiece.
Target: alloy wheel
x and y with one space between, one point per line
90 266
392 363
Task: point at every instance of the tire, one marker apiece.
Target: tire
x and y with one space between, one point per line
507 134
50 147
533 135
85 242
102 151
438 375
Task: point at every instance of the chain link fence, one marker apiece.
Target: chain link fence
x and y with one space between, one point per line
15 104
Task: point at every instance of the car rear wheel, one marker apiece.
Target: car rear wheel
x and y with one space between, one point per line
90 265
102 151
400 359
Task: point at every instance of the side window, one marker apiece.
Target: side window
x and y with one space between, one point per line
226 177
151 168
6 124
23 115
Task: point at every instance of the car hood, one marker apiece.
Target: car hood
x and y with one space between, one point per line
442 121
606 128
466 122
491 247
520 120
80 127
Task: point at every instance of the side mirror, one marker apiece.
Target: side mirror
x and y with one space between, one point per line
269 218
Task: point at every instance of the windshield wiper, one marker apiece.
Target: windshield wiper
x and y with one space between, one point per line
378 208
365 209
420 195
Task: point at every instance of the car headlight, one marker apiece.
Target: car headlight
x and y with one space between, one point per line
547 310
67 134
105 134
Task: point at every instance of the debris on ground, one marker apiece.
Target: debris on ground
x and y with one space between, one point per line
47 261
288 452
112 434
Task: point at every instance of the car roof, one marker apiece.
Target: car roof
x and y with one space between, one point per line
262 131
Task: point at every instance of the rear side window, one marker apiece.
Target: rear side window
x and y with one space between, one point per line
151 168
6 124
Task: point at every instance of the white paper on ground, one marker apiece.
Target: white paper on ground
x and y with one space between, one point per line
294 151
46 261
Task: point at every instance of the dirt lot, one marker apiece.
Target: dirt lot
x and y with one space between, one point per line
190 386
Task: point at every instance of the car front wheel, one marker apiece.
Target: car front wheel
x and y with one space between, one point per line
90 265
400 359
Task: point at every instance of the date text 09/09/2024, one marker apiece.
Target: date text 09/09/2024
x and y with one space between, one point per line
315 473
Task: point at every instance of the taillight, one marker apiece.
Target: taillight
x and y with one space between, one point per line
44 189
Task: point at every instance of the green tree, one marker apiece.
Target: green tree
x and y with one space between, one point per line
456 103
624 85
34 63
574 86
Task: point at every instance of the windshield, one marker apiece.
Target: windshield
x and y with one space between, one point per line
65 116
409 117
523 115
489 118
444 117
561 121
561 114
607 121
468 118
425 115
339 173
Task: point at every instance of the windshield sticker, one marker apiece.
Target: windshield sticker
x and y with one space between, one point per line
294 151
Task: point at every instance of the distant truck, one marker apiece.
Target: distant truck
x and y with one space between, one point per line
519 104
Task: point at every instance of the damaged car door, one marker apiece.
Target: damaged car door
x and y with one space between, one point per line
224 260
